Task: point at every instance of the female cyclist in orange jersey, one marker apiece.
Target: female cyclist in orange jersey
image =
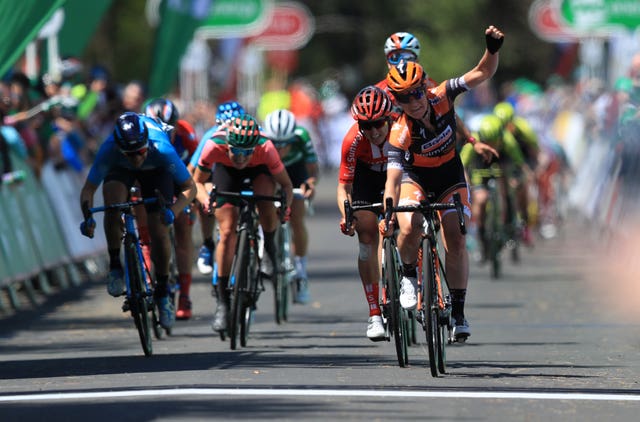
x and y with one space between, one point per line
423 159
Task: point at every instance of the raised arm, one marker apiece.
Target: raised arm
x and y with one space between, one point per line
488 64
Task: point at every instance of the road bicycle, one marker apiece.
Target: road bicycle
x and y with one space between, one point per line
139 298
285 281
245 283
434 303
499 209
396 319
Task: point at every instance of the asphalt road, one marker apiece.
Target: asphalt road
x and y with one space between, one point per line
552 340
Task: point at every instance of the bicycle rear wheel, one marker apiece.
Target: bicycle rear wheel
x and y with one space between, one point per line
493 230
398 321
281 274
430 306
138 303
239 288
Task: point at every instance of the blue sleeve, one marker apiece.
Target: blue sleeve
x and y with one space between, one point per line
105 158
172 162
203 141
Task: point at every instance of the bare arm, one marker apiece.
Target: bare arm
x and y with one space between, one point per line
488 64
202 196
187 193
285 183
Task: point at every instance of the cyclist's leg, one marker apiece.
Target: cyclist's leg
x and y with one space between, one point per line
115 190
263 184
409 235
183 227
366 227
207 227
162 181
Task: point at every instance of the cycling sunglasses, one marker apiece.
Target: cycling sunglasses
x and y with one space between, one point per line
141 151
371 124
417 93
395 58
241 151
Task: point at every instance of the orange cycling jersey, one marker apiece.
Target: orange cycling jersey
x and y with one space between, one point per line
413 144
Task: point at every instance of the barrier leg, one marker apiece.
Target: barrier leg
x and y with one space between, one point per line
74 274
30 292
43 283
13 297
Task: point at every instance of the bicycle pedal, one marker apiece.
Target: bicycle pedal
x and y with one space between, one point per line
125 306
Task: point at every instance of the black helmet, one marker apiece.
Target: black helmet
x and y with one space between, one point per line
162 109
131 133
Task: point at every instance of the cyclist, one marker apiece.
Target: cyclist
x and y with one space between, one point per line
423 158
296 151
184 140
361 180
139 150
510 161
528 141
224 113
239 152
405 47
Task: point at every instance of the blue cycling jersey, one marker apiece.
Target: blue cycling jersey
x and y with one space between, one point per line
161 154
203 141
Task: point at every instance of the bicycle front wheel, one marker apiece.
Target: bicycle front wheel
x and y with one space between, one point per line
138 303
398 320
430 305
239 288
252 295
281 274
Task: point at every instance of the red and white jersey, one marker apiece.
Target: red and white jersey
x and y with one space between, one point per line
357 148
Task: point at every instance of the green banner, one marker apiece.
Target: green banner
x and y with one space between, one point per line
178 21
81 18
592 14
20 22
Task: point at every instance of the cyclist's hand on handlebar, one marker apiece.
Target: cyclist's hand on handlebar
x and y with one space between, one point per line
167 216
87 227
308 190
384 229
287 214
349 231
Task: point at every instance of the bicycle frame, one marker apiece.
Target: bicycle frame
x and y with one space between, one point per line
245 283
433 310
139 293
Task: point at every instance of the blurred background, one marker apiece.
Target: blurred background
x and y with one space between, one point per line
70 67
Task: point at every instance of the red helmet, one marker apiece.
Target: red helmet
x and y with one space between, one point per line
405 76
371 103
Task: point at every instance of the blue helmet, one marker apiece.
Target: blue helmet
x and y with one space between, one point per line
130 132
228 110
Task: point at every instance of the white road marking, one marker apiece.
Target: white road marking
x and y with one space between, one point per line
318 393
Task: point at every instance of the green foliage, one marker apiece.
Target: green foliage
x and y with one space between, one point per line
349 38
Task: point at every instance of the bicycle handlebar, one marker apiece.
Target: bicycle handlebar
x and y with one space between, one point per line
350 209
120 206
426 206
251 197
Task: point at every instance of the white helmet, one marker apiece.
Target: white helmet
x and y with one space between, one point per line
402 41
280 125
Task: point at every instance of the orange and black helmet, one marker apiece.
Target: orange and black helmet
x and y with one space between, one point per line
405 76
371 103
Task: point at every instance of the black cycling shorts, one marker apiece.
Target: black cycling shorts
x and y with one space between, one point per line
231 179
148 180
368 185
298 173
441 180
